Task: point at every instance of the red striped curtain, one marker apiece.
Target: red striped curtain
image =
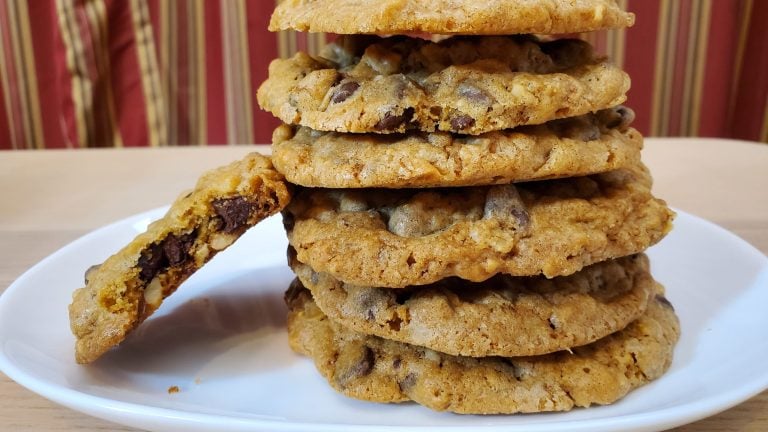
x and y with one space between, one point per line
102 73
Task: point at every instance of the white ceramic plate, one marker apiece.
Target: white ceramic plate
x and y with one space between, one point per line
221 339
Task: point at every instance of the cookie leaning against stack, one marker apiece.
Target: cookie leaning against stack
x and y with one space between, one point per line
472 210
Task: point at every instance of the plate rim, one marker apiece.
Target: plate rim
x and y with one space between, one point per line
120 411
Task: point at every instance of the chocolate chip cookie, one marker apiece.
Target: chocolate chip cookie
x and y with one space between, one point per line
503 316
396 238
131 284
451 17
575 146
467 85
380 370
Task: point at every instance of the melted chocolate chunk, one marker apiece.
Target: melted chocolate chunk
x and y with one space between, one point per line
176 248
344 91
392 121
151 261
172 251
234 211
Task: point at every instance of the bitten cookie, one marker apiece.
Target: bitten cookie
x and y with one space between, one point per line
461 85
575 146
380 370
131 284
504 316
447 17
396 238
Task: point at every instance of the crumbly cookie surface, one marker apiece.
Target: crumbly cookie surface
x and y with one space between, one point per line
576 146
131 284
462 85
503 316
380 370
396 238
449 17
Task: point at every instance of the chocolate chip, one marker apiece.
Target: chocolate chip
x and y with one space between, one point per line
474 94
590 133
344 91
408 382
504 203
617 118
365 365
354 362
523 219
392 121
234 211
582 128
664 301
567 53
176 248
461 122
151 261
397 363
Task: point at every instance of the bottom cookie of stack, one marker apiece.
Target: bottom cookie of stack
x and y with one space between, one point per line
375 369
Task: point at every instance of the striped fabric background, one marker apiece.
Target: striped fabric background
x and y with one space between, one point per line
100 73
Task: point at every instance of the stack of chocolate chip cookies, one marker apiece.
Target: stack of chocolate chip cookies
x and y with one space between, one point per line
469 226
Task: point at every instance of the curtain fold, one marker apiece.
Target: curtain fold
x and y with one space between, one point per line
113 73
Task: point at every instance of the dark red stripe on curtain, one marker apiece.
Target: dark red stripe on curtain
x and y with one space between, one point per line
44 23
722 42
639 60
753 89
130 105
214 71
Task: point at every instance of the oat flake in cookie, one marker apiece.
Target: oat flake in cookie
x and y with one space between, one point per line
131 284
375 369
575 146
467 85
502 316
396 238
449 16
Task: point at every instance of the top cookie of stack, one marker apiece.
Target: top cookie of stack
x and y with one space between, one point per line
471 110
490 17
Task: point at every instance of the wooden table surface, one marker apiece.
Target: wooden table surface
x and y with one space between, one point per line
50 198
